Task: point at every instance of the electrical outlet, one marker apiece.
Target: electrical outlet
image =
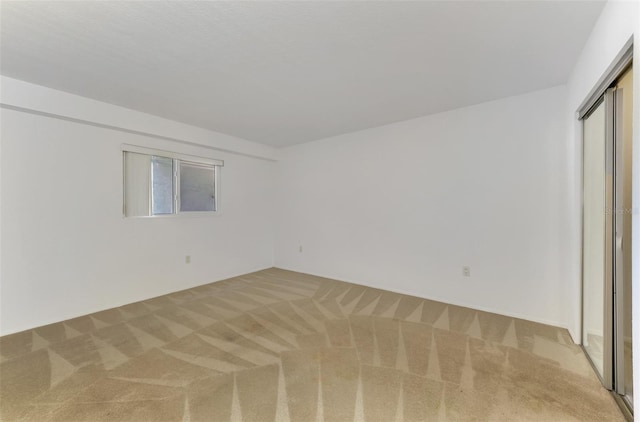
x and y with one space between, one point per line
466 271
187 259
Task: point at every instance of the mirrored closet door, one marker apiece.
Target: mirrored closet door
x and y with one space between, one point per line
606 236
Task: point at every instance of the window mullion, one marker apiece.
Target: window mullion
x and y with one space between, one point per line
176 186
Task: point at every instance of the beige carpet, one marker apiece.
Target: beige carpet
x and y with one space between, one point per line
278 345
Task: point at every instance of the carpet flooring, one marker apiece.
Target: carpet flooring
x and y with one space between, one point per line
277 345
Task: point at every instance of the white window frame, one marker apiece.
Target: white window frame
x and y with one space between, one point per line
178 158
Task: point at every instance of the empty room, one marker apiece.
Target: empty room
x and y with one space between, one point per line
319 210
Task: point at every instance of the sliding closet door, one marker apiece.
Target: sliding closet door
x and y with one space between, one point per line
623 122
597 281
608 166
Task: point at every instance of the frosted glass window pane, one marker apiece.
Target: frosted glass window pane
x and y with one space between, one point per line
161 185
197 188
136 180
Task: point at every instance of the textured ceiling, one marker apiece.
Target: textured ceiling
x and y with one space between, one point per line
282 73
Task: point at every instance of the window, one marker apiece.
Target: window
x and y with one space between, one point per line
165 183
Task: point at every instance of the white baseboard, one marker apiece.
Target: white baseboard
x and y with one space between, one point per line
447 301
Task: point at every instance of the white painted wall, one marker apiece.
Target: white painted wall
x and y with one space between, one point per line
67 249
619 21
404 206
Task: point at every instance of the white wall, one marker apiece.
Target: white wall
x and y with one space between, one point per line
618 22
67 250
404 206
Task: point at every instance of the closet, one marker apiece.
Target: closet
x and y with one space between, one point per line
606 232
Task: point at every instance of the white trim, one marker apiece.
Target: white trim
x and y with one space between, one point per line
445 301
169 154
142 297
615 69
39 100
